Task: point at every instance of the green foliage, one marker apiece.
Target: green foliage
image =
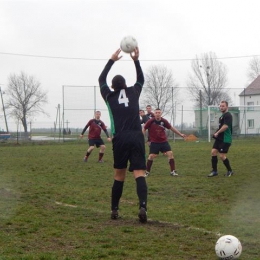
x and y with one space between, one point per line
55 206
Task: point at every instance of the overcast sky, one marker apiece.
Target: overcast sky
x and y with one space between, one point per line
77 37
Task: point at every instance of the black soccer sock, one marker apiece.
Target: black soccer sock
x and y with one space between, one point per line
172 164
149 165
227 164
214 162
88 154
117 191
141 189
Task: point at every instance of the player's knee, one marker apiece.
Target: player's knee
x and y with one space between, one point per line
222 157
152 156
214 152
170 154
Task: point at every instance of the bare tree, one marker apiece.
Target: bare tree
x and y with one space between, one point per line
160 89
254 68
207 83
25 98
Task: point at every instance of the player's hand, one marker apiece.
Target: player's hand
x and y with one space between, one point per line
109 139
183 135
81 136
135 54
116 56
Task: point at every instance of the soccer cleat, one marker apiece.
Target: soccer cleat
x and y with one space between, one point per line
213 174
85 159
174 173
146 173
229 173
114 214
100 161
142 215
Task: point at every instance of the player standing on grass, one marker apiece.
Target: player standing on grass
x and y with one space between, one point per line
159 143
128 140
94 136
223 140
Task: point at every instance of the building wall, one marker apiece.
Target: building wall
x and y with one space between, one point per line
249 115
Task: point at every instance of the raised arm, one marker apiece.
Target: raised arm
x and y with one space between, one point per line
139 72
104 89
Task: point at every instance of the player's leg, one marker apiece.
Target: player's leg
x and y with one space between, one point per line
225 160
137 165
90 149
117 190
149 163
166 148
120 155
141 190
101 151
154 150
214 159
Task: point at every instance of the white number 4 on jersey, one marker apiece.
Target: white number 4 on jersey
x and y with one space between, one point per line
123 99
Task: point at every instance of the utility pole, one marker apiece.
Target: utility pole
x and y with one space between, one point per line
200 113
4 110
67 123
208 68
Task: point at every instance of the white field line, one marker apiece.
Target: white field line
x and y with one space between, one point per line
160 222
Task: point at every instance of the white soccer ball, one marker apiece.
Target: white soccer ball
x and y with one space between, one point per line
128 44
228 247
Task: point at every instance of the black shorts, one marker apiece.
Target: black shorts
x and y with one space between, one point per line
221 146
155 148
129 146
97 142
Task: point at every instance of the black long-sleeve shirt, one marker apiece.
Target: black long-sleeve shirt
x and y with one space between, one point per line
123 105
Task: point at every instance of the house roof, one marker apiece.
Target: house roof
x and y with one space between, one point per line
252 89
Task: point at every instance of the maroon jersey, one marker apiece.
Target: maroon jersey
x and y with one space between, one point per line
95 127
157 130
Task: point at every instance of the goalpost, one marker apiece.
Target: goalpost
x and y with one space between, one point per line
246 120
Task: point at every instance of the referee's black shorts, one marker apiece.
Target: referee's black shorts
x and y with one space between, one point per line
221 146
129 146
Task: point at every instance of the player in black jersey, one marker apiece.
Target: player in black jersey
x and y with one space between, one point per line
149 114
128 140
223 140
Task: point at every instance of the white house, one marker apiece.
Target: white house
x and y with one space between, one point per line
249 100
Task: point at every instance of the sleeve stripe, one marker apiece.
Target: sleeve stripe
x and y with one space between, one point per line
103 85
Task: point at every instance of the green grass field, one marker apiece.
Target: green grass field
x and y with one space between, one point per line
55 206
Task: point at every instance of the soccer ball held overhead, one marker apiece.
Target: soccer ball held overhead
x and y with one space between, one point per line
128 44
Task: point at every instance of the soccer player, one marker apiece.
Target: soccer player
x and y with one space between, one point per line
94 136
159 143
223 140
149 112
143 117
128 140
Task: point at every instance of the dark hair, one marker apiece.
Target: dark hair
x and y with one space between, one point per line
158 108
223 101
118 82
